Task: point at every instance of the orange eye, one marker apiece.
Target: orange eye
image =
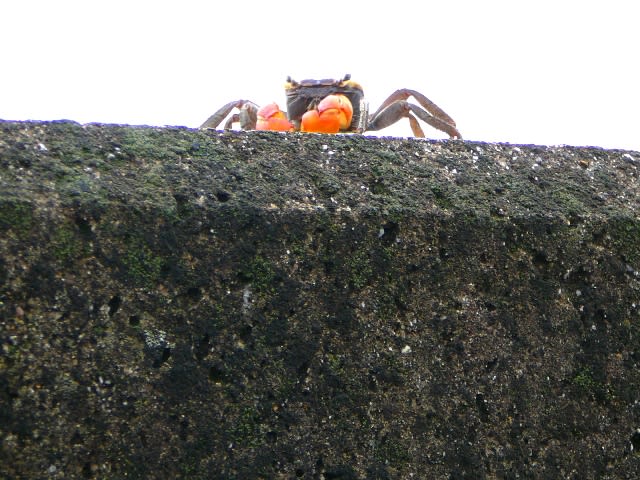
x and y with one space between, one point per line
337 105
270 117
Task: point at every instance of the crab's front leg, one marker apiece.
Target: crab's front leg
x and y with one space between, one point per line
247 115
396 107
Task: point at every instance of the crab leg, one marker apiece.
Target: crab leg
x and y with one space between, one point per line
391 114
396 107
436 122
247 116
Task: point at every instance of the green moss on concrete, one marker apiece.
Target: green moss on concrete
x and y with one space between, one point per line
360 269
141 263
260 274
17 217
67 244
625 233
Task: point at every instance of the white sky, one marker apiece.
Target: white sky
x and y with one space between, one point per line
542 72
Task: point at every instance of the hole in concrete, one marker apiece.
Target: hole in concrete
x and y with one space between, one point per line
216 374
84 227
635 441
390 231
202 347
271 437
87 470
491 364
114 305
194 293
223 196
483 410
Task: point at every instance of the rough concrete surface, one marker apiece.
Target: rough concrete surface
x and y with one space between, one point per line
194 304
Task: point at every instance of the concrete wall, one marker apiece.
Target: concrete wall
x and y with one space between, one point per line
186 304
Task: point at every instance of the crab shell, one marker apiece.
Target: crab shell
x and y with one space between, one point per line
310 93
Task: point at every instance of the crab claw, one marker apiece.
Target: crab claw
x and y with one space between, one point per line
332 114
337 105
313 122
270 117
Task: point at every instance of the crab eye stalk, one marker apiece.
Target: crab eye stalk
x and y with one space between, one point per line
270 117
333 113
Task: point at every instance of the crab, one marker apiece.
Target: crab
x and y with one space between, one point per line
333 106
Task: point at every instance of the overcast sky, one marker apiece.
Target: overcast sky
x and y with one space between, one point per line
541 72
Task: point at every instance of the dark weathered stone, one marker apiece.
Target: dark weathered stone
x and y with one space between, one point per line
187 304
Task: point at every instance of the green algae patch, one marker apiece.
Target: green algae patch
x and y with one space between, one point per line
16 217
